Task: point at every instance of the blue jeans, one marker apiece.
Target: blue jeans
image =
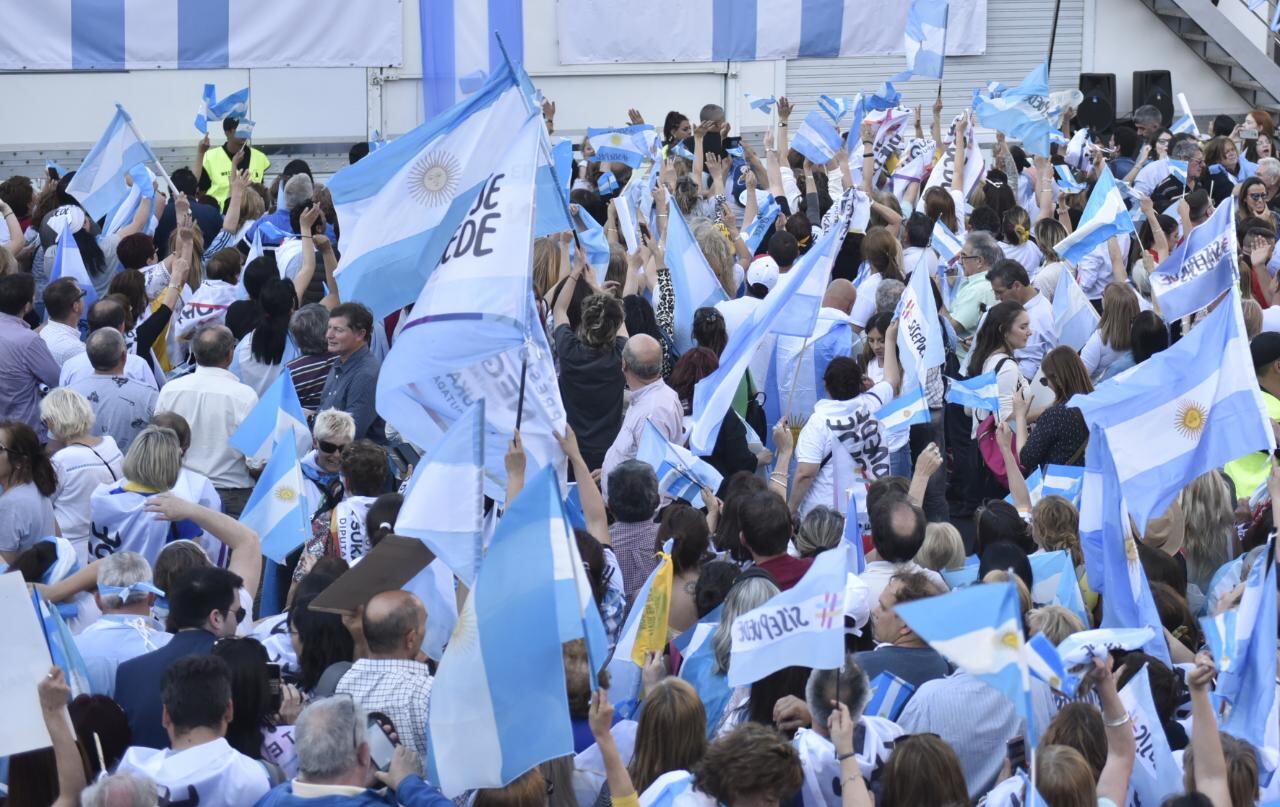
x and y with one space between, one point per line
900 462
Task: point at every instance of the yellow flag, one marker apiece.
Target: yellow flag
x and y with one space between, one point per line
651 636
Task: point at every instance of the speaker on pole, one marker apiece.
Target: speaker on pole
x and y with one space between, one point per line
1098 109
1155 88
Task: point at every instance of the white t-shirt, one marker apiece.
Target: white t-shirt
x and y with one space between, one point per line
211 775
735 312
864 307
1098 356
817 442
1271 319
81 470
135 367
1026 253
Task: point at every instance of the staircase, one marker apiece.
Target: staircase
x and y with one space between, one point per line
1224 47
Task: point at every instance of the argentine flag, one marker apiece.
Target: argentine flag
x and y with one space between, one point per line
68 262
761 103
278 509
594 243
1054 582
767 214
1199 269
693 284
1181 413
979 629
499 705
925 38
1074 316
948 245
235 105
979 392
1019 111
1105 216
402 206
1178 170
99 183
907 409
607 183
630 145
1067 183
681 475
834 107
817 139
1066 481
444 503
275 418
790 309
801 626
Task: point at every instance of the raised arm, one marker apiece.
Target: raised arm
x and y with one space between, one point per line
246 549
784 115
306 223
202 148
1138 164
54 694
773 169
621 790
514 462
16 239
935 126
1210 764
1158 239
593 508
1113 783
868 137
962 134
239 185
783 445
927 464
1017 484
892 367
560 311
1044 187
329 257
853 788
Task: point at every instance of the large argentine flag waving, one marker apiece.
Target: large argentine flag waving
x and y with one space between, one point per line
401 205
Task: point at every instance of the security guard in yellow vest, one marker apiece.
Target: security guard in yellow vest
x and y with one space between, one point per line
217 163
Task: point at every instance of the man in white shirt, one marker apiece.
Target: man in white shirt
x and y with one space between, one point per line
64 303
1010 284
651 400
107 314
121 406
200 766
214 404
897 533
126 629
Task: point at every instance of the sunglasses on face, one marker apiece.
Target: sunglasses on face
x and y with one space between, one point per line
328 448
1257 197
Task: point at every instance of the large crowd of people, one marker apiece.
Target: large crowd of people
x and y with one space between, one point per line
120 486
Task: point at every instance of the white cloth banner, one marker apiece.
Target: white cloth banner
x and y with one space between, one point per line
604 31
162 34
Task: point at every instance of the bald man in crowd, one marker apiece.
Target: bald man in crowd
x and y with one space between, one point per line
393 679
650 399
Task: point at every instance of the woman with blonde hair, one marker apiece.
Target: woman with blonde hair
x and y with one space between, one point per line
82 464
943 548
719 253
1210 535
1055 524
1111 341
1016 243
820 530
1048 232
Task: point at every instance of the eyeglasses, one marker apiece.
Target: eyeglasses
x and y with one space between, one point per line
329 448
239 613
1257 197
965 257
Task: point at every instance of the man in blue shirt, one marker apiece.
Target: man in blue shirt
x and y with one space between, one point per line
353 379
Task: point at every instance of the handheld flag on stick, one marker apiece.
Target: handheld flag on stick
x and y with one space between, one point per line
235 105
1199 269
979 392
817 139
925 39
278 507
1105 216
1073 315
277 416
99 181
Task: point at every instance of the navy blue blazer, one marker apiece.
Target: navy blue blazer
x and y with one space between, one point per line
138 684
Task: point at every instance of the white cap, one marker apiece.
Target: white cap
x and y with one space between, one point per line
763 270
857 602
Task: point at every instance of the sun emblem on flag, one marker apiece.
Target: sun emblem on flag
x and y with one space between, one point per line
286 494
1011 639
433 179
1191 419
615 139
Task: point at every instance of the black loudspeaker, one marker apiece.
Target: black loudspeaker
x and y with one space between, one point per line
1098 109
1154 87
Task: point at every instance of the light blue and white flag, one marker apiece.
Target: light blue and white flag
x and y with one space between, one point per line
1054 582
834 107
902 412
1074 316
1016 791
460 48
402 205
1056 480
99 183
499 702
142 190
630 145
1127 600
790 309
920 343
63 650
699 667
1044 663
948 245
765 217
474 331
1178 170
1020 112
886 98
1243 642
1156 774
1081 648
235 105
889 694
1199 269
594 243
681 475
444 503
817 139
607 183
801 626
693 283
277 417
1104 216
925 39
1181 413
979 629
851 534
980 392
1067 183
761 103
1185 124
68 262
278 509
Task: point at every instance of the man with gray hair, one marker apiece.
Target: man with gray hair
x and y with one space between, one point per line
1174 187
121 406
1147 120
121 790
1269 172
126 630
651 401
872 745
214 404
974 295
309 371
335 764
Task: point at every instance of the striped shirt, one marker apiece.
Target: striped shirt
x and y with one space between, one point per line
309 373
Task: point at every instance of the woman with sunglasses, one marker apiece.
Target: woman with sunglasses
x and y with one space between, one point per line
1060 435
1253 203
28 483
